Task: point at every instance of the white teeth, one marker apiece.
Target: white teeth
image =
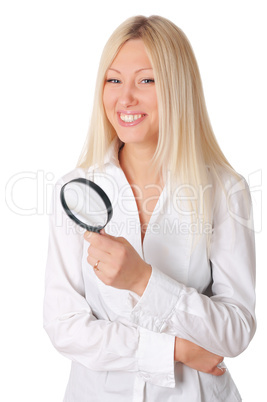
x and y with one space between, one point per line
129 118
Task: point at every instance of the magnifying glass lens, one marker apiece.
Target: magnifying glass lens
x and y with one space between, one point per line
86 204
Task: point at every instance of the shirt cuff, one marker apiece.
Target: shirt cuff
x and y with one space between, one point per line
157 302
155 356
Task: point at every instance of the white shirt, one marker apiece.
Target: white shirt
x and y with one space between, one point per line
122 345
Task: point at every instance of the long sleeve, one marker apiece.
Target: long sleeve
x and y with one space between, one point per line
74 330
225 322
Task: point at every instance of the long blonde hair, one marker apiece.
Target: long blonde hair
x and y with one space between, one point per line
186 145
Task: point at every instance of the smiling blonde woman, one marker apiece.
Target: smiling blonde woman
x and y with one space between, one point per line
148 309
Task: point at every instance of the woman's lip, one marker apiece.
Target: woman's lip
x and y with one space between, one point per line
129 112
132 123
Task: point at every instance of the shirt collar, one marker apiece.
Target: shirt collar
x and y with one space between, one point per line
112 155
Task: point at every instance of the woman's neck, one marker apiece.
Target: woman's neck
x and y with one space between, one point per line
137 166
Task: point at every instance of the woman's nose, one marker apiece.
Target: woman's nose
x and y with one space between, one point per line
128 96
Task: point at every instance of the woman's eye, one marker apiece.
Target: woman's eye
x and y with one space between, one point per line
148 80
113 81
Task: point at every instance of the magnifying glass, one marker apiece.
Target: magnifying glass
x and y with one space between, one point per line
86 204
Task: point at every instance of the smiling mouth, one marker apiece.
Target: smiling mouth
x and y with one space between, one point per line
130 118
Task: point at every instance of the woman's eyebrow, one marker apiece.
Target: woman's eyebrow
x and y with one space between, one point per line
137 71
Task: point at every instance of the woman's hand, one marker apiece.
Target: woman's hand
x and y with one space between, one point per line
119 264
197 358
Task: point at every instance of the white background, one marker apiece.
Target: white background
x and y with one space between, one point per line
49 58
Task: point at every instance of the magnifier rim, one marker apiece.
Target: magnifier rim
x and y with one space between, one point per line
102 195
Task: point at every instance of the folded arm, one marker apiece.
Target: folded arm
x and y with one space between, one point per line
224 323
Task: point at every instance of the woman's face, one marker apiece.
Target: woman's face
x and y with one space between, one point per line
130 98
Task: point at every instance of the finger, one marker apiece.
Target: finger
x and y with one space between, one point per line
98 254
107 236
88 235
97 268
218 371
92 237
95 263
114 238
103 242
